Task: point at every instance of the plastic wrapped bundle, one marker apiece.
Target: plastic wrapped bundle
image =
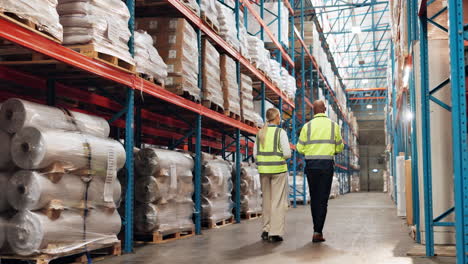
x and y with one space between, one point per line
4 205
291 87
163 163
227 23
151 217
147 58
251 192
176 42
33 148
259 55
247 106
211 74
31 233
229 85
243 41
355 183
5 155
217 189
30 190
42 13
103 23
209 11
335 189
275 72
284 79
17 114
270 18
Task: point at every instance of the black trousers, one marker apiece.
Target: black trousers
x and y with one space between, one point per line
320 177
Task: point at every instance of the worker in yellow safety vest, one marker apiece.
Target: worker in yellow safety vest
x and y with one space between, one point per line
271 150
319 141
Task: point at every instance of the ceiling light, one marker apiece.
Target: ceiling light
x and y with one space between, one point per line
408 116
356 30
369 106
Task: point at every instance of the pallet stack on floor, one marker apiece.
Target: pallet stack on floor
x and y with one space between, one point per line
61 185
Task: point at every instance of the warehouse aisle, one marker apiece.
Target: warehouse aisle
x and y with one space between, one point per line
361 228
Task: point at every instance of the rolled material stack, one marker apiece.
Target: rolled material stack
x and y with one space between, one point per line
247 105
259 55
147 58
102 23
176 42
211 74
68 167
227 23
229 85
43 13
216 189
251 191
163 191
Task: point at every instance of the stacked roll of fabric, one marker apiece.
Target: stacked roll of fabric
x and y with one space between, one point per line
251 191
147 58
68 166
163 190
217 189
102 23
43 13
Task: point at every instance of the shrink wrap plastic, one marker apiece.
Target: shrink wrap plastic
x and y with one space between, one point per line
216 189
259 55
355 183
147 58
227 23
299 187
103 23
43 13
16 114
164 190
5 156
243 41
33 190
31 233
275 72
212 90
4 205
229 85
251 190
271 20
335 189
247 105
209 10
33 148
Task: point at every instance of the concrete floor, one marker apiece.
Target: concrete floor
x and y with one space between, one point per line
361 228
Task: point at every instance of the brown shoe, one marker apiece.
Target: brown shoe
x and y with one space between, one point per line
318 238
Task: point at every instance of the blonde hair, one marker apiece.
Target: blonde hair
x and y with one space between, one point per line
271 115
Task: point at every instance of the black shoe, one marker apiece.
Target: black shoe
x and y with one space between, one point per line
318 238
275 239
265 236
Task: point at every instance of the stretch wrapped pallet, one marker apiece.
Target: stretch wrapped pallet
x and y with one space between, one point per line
176 42
335 188
42 13
258 54
216 189
147 58
211 74
72 201
229 85
163 191
227 23
270 18
102 23
251 191
247 106
209 11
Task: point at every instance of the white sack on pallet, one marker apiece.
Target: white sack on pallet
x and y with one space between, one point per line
103 23
31 232
43 13
32 190
4 178
272 22
33 148
5 156
259 55
17 114
147 58
243 41
275 72
208 9
227 23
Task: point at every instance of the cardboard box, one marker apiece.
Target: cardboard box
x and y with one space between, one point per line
212 91
229 85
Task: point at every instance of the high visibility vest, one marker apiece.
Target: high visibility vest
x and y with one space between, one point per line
320 139
269 155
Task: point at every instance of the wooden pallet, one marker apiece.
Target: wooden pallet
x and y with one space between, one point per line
28 24
159 238
232 115
251 216
249 123
213 106
150 79
95 251
90 51
222 223
209 22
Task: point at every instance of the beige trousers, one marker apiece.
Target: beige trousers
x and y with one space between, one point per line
275 202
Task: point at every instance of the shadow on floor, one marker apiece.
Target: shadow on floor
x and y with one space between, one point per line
258 249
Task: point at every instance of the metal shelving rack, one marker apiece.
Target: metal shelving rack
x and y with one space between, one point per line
132 108
418 21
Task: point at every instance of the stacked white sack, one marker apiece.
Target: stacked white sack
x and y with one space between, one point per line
147 58
227 23
43 13
103 23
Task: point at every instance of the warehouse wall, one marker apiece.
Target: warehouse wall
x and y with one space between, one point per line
371 149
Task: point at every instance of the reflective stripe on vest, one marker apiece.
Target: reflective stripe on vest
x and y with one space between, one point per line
320 141
271 161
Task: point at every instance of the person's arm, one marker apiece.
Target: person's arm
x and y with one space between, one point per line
302 138
255 149
339 146
284 144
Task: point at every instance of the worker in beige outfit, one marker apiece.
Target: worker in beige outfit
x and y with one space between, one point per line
271 150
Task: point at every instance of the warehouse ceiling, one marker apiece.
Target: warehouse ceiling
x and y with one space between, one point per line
358 33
